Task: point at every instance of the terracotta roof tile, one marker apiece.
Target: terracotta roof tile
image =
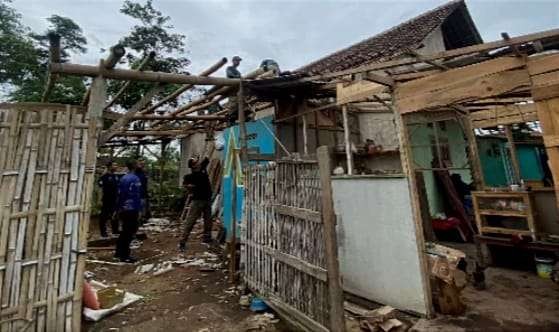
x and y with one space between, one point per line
386 45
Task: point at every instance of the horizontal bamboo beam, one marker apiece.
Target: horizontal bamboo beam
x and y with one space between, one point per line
132 75
178 117
316 109
171 132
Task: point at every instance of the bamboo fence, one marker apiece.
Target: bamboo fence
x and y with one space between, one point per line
46 179
283 255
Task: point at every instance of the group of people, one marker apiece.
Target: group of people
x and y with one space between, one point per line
125 200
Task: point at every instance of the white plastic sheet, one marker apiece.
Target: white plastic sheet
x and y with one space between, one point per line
96 315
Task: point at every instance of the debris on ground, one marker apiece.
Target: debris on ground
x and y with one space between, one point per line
125 300
263 321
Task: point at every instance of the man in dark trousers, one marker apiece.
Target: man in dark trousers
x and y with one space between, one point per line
145 214
198 183
109 185
129 207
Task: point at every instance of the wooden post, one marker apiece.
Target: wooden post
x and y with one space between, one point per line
95 112
316 130
335 290
513 156
54 57
473 154
406 157
348 152
233 243
242 125
305 139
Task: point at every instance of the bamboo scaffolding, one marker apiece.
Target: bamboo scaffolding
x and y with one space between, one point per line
125 86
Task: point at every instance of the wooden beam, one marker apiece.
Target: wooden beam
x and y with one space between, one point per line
184 88
126 84
146 76
128 116
504 115
357 91
379 79
347 141
513 155
478 48
151 133
514 48
472 89
312 110
178 117
335 290
420 58
446 79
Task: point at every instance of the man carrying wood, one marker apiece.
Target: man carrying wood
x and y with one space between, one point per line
129 207
198 183
109 185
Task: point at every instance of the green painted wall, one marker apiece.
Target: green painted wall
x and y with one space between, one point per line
496 164
421 139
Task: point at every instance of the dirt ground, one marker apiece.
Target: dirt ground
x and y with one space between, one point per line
194 299
184 299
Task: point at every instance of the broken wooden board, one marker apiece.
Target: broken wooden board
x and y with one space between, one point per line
466 90
357 91
504 115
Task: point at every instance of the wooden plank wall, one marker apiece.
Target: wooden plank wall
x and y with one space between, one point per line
44 181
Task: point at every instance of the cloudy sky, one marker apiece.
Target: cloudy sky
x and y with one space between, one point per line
291 32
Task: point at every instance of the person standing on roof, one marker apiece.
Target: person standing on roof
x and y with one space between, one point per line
129 206
198 183
233 72
109 185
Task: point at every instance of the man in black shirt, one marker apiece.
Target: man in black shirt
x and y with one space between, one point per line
109 185
198 183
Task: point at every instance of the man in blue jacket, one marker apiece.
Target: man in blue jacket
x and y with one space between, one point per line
129 207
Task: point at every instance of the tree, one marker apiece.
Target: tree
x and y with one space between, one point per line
18 56
24 57
152 33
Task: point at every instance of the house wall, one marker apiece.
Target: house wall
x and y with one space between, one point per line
421 138
377 241
261 142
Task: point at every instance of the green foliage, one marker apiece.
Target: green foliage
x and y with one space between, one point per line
151 34
24 57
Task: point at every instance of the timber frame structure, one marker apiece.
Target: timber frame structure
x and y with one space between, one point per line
497 83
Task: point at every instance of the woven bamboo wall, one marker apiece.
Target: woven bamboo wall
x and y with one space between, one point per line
47 159
283 254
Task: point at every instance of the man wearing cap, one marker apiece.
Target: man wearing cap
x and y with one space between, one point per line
198 183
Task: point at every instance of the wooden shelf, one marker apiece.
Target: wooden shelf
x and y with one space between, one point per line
504 213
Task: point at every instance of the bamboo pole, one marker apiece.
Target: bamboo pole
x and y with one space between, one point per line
117 52
305 138
184 88
54 57
146 76
125 86
178 117
347 141
517 176
242 126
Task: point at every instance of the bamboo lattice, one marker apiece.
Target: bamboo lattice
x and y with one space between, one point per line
47 159
283 254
